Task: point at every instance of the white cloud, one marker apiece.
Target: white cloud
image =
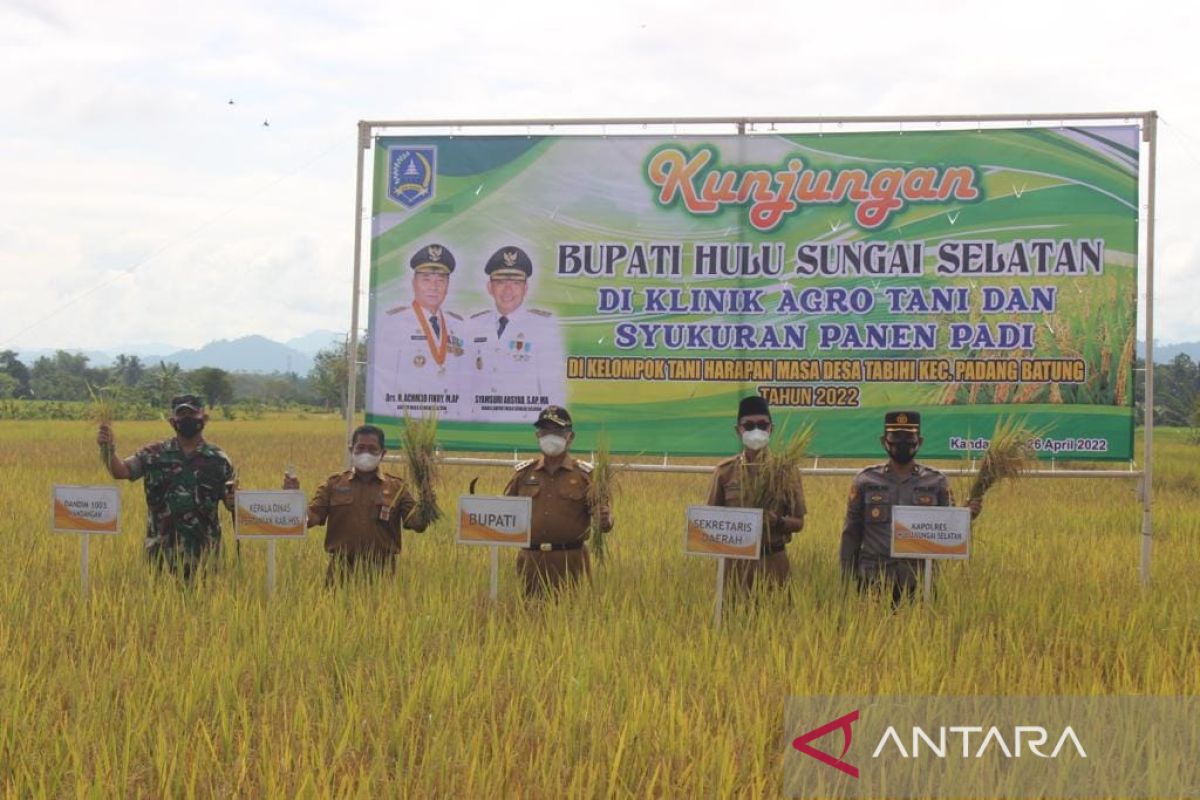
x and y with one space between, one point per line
118 146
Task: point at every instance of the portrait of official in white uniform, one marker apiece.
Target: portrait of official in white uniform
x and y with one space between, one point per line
518 365
418 351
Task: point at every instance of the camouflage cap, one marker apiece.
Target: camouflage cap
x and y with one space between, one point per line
553 417
193 402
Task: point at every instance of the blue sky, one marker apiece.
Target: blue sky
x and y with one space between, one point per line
139 206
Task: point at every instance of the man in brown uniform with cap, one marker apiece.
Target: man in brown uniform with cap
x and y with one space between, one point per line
562 514
363 509
867 532
783 518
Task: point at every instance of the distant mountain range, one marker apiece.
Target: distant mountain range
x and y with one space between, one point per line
247 354
1165 353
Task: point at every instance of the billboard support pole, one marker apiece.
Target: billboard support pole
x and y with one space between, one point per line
361 145
1149 133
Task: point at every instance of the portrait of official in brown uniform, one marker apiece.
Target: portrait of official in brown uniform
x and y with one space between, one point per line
562 513
867 532
783 516
363 510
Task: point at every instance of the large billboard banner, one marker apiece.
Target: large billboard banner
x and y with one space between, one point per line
648 282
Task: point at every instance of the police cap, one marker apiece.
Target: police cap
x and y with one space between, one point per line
902 421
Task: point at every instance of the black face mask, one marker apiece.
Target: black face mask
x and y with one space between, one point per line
188 427
902 452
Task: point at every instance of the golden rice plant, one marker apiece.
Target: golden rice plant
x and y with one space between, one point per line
419 441
601 491
102 412
772 481
1009 455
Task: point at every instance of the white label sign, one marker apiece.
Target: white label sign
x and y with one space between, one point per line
931 532
505 521
723 532
86 509
280 514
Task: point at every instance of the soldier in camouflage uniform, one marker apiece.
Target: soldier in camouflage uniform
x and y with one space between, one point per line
185 479
867 532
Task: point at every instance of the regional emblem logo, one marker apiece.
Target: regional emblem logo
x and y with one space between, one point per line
411 174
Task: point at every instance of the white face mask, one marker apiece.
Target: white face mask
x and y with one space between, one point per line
756 439
366 462
552 445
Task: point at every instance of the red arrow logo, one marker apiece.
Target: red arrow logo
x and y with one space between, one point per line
801 743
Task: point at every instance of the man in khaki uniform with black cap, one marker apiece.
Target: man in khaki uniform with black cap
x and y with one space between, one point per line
562 514
783 518
866 534
418 351
518 364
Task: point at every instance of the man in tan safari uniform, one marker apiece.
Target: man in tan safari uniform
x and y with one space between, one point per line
562 513
866 534
363 509
783 518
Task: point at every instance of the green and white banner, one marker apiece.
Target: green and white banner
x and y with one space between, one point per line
647 283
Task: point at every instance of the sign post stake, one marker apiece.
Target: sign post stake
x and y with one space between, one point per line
928 580
720 593
495 589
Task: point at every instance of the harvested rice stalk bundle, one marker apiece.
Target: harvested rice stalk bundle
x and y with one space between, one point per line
771 483
419 439
1009 455
601 491
102 412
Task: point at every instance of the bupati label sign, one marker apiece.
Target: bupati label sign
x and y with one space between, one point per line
86 509
723 532
495 520
931 532
651 282
270 514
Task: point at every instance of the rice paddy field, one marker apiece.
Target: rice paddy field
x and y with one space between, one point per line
419 686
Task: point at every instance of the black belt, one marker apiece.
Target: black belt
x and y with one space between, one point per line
546 547
770 550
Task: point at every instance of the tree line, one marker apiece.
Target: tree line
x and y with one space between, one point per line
69 376
128 380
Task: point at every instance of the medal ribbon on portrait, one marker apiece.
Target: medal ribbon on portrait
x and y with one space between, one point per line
438 350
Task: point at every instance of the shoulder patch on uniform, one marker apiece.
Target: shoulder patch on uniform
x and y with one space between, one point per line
337 475
479 314
539 312
452 315
585 466
397 309
522 465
